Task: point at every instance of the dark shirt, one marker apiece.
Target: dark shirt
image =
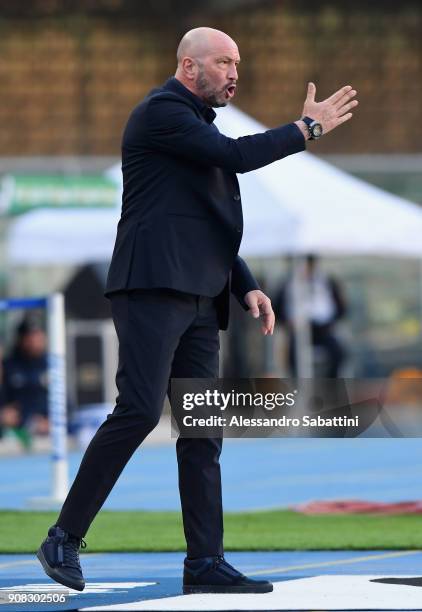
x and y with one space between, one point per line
25 382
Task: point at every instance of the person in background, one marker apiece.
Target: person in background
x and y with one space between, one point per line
326 305
2 401
24 390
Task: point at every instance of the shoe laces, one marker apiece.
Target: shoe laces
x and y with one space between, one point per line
70 551
219 559
226 569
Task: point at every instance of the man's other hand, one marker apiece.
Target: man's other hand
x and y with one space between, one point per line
260 305
330 112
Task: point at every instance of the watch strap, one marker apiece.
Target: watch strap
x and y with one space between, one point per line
307 120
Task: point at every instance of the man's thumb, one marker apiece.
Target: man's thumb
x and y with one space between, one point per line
255 312
311 92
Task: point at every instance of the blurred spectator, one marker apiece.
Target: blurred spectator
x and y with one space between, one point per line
2 400
24 396
326 305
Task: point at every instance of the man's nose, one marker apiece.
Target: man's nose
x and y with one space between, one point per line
232 74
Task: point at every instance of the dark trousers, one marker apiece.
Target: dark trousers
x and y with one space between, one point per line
162 334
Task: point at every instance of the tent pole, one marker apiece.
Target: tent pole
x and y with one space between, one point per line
268 360
302 327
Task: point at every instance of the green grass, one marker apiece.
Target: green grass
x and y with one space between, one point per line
272 530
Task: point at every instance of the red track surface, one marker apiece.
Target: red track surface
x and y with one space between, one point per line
356 506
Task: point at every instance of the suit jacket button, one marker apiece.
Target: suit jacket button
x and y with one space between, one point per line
236 197
239 230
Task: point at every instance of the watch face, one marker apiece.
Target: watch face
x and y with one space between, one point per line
316 130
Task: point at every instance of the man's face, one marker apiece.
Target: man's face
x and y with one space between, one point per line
217 76
34 343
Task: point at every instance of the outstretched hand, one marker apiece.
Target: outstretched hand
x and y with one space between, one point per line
260 305
333 111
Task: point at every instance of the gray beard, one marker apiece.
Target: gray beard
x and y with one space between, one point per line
208 95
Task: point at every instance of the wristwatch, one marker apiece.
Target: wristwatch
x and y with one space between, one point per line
314 128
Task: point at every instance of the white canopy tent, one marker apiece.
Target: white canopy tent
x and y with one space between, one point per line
65 237
325 209
296 205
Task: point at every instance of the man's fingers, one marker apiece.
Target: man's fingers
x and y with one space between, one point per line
268 318
310 96
339 94
345 99
344 109
341 120
269 328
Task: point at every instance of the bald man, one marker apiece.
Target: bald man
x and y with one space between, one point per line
174 265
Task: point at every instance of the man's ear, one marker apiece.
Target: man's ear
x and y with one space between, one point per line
189 68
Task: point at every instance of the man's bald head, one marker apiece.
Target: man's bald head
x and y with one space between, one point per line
207 62
200 42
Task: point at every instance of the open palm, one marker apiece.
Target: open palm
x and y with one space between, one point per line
333 111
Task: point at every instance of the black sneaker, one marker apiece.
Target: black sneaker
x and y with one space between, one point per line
215 575
59 556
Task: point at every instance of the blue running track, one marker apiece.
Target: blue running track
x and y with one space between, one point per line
257 474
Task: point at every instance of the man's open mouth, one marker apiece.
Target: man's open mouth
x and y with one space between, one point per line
230 91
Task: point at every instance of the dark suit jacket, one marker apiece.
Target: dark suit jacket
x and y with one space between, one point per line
181 222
